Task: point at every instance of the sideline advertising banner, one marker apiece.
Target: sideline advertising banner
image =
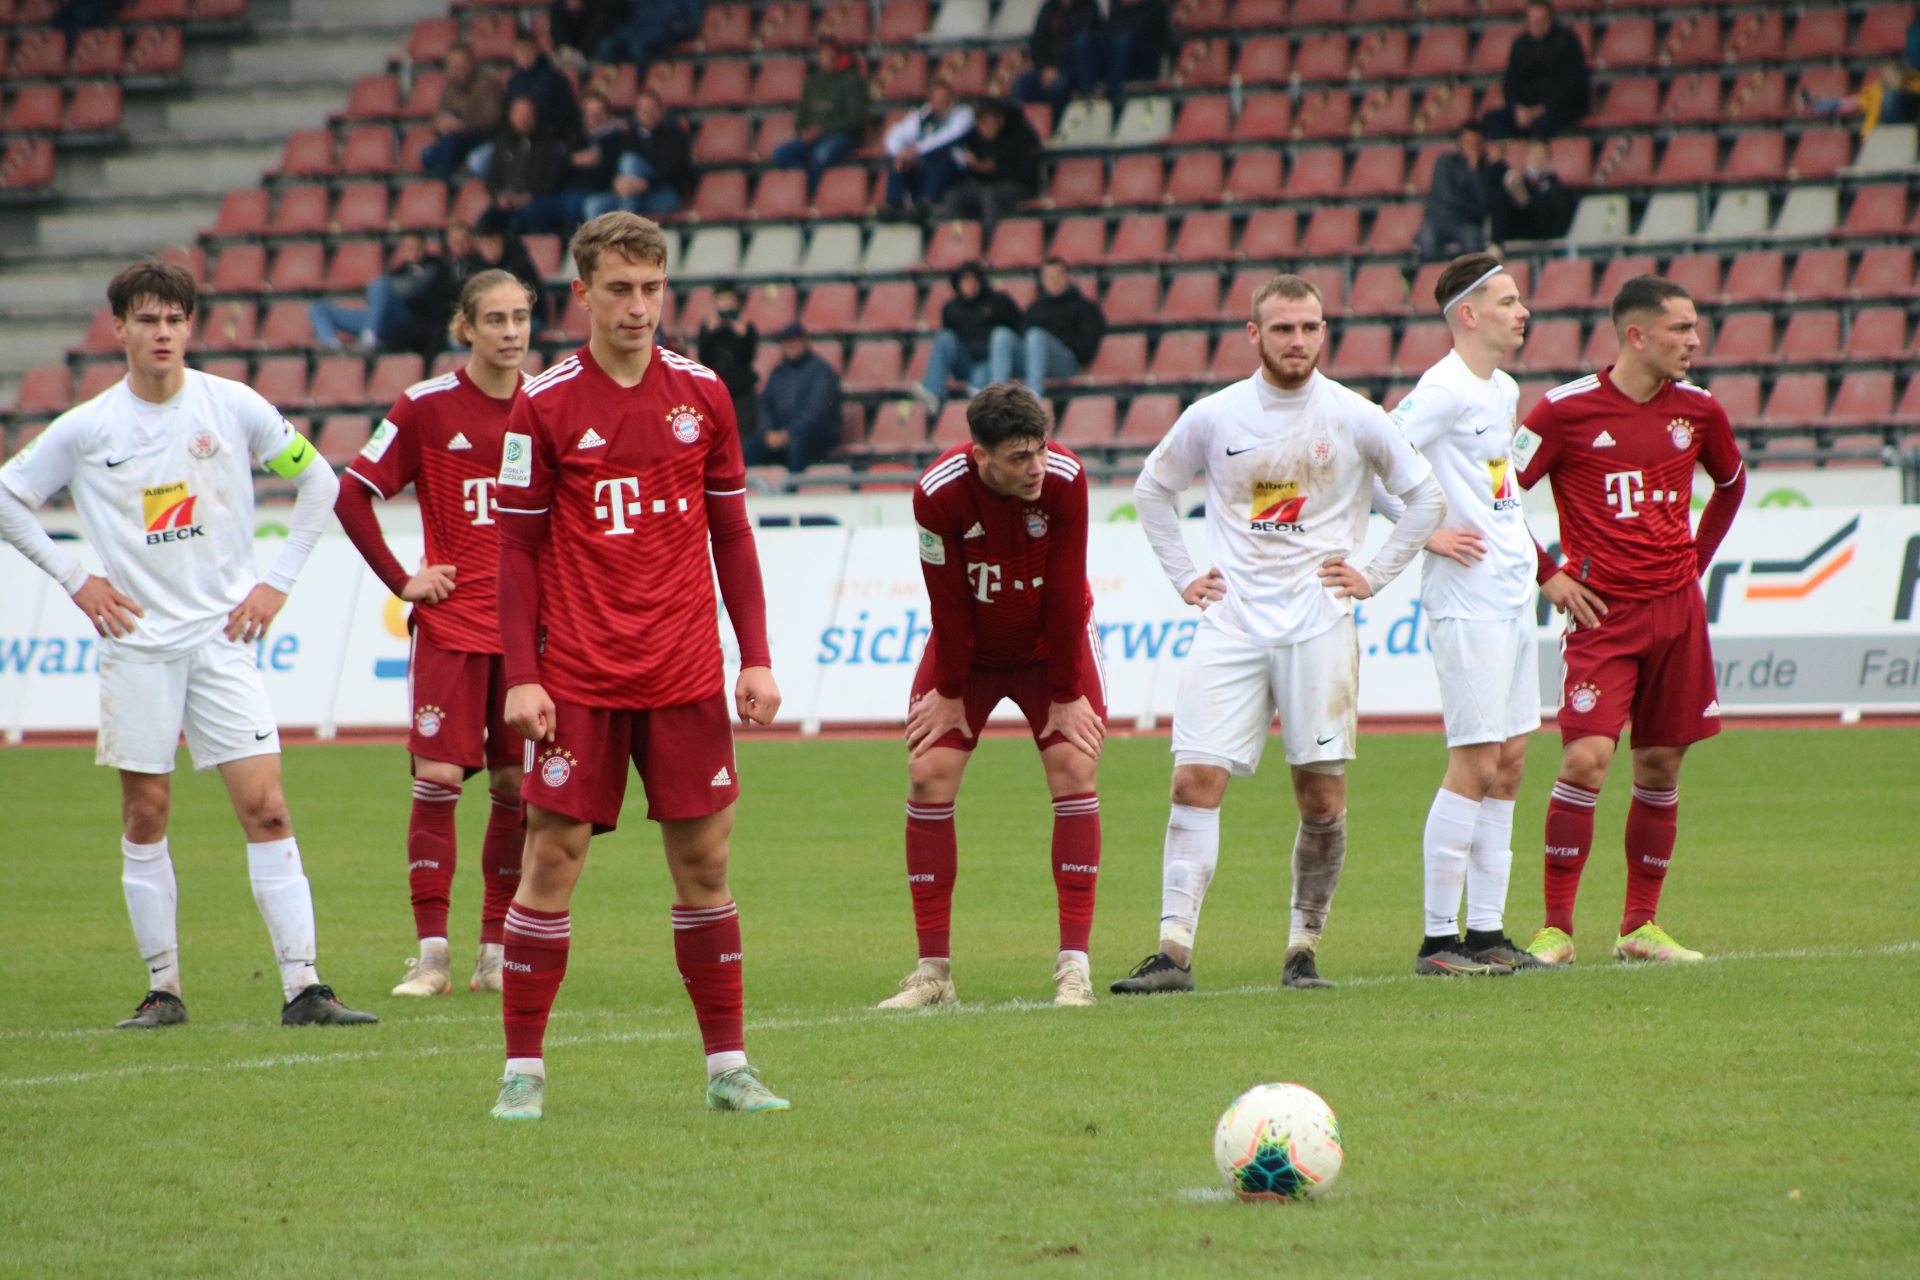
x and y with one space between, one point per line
1812 609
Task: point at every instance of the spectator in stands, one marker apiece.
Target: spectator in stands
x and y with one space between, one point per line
655 174
1065 49
592 163
579 27
406 309
1139 37
472 108
1002 161
969 324
534 76
921 146
493 244
654 25
1456 215
76 16
1063 330
832 116
802 396
1546 86
1530 202
526 163
727 345
1892 96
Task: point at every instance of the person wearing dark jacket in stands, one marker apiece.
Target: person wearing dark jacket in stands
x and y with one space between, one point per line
1456 213
493 244
579 26
1065 49
834 100
526 165
1139 34
1546 85
1530 202
592 162
407 307
654 25
534 76
726 345
1001 158
656 173
472 107
1063 330
970 322
800 407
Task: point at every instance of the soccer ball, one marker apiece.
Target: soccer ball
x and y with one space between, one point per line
1278 1142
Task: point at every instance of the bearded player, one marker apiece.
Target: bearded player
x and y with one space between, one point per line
1003 547
1476 588
1290 457
160 466
621 469
1620 447
443 437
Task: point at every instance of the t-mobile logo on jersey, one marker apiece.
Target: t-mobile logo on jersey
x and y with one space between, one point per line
617 505
1624 488
985 579
479 499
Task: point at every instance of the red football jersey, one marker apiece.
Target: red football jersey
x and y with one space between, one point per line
628 618
1623 479
443 436
1007 578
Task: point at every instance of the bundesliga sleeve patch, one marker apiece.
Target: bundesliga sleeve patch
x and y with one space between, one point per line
1525 445
380 441
932 549
516 460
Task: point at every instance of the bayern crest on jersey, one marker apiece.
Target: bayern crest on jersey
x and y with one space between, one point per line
203 445
427 721
556 768
1583 699
1036 524
685 423
1682 432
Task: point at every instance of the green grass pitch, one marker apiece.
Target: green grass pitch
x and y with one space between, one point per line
1610 1121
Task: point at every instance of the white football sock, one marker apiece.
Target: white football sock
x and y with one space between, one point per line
285 900
146 875
718 1064
1187 864
535 1067
434 949
1489 866
1078 957
1443 853
1319 852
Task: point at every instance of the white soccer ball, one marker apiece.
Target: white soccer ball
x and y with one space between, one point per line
1278 1142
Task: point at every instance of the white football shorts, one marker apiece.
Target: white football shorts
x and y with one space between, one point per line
1230 689
214 692
1489 678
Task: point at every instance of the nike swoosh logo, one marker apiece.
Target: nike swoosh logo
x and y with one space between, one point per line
112 463
1324 741
1480 431
1234 453
262 737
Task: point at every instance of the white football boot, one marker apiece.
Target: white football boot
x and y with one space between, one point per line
929 984
1073 985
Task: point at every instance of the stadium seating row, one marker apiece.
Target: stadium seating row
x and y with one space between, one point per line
143 52
34 13
93 107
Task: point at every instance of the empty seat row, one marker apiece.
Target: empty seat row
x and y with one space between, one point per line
44 108
26 163
43 54
1862 401
1756 276
362 207
1739 214
37 13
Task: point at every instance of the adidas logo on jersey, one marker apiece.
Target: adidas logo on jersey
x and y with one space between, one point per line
1713 708
1603 441
591 440
976 531
459 441
721 779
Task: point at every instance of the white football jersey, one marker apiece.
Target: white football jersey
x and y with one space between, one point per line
165 493
1289 486
1463 425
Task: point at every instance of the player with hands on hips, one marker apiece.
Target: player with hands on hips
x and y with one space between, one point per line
444 437
1002 526
622 497
1290 457
160 466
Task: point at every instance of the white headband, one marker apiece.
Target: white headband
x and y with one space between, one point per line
1458 297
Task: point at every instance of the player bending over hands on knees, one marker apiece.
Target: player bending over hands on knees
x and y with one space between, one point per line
1003 547
444 437
1290 457
1620 446
160 466
1476 586
621 468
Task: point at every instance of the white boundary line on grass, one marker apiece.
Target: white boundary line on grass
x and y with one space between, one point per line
867 1016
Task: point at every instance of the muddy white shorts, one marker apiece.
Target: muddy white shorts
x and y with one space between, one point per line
1231 688
214 693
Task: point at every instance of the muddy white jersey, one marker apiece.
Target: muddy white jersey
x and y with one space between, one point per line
1289 485
1463 425
165 494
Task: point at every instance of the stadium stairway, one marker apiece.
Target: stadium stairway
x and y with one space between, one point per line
242 91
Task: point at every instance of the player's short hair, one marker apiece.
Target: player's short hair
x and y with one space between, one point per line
1004 412
1461 272
173 285
1285 285
478 285
628 234
1644 295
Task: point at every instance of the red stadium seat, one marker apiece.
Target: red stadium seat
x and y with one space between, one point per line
1233 357
776 128
422 206
939 294
1818 275
902 78
1121 357
1149 418
1133 299
1553 346
282 380
1626 162
302 211
1136 180
1425 281
843 193
1745 337
875 366
1883 31
1821 33
1334 230
1255 177
1263 60
889 307
1758 276
1016 244
1202 64
952 244
36 108
1877 210
901 21
831 308
1758 156
1394 227
786 26
340 380
1087 423
722 140
1192 296
779 81
1443 109
362 208
413 148
1319 12
1907 414
100 339
1258 15
1264 117
470 202
1317 175
1755 37
1864 400
1321 58
287 325
392 375
728 82
1203 119
1797 399
1079 183
781 195
1739 395
1573 160
1693 99
1271 234
1811 336
1080 241
1566 284
46 388
1364 351
1885 271
39 54
1690 158
1197 178
1821 153
342 437
374 97
355 265
1628 43
847 22
1332 284
721 196
1623 269
309 153
898 427
298 268
242 268
242 213
1631 101
1422 347
771 307
1603 345
1697 273
1378 171
1879 333
1326 114
228 326
1378 290
369 149
95 108
1490 55
1385 113
1142 237
98 53
423 100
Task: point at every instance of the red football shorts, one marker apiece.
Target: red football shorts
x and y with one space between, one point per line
459 708
1648 661
1027 686
684 755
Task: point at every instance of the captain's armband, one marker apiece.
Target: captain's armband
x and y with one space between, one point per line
293 459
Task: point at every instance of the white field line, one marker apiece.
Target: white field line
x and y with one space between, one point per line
868 1017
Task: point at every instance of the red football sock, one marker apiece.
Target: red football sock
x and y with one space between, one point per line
1076 865
1652 820
431 847
500 851
933 857
1569 840
536 961
706 945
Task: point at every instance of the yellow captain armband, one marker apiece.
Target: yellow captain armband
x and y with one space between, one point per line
294 459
